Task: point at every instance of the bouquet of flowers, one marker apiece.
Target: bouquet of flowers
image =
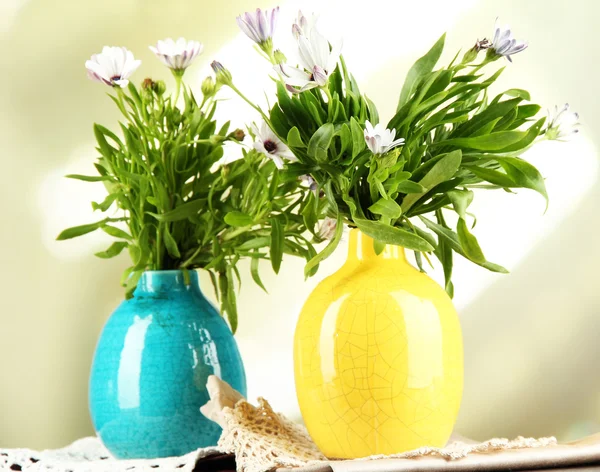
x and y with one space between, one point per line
398 182
183 192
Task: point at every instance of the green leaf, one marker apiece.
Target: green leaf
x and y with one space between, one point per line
132 281
255 243
114 250
469 243
237 218
325 253
358 137
181 212
105 149
378 247
493 176
451 238
420 69
461 199
294 139
387 208
524 94
277 240
524 174
319 143
232 314
489 142
76 231
445 255
106 203
528 137
88 178
443 170
254 271
373 113
408 186
391 235
489 115
116 232
170 243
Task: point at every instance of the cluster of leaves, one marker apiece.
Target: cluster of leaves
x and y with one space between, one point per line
457 138
173 212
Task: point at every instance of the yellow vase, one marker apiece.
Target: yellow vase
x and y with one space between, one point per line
378 357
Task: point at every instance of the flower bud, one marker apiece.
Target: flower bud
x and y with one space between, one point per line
237 135
208 87
147 84
222 75
279 57
160 87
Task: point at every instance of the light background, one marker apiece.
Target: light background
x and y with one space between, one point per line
531 338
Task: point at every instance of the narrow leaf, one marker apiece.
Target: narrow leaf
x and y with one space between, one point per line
452 239
254 271
318 145
391 235
443 170
237 218
386 207
408 186
181 212
276 244
88 178
114 250
76 231
469 243
170 243
420 69
116 232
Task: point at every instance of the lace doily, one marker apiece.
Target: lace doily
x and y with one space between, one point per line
263 440
89 455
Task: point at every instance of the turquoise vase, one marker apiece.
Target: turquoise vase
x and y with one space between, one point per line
148 378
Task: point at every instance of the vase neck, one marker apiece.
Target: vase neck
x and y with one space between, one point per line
361 249
166 281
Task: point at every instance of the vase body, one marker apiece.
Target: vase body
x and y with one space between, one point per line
152 361
378 357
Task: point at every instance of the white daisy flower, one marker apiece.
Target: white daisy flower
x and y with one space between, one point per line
113 66
318 62
381 140
177 55
304 25
271 146
327 228
504 44
563 123
260 25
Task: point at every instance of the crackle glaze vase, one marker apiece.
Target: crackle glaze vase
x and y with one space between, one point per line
378 357
152 361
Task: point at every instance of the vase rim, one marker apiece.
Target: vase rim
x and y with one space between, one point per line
167 280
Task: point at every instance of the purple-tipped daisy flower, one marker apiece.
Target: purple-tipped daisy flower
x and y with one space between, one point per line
113 66
177 55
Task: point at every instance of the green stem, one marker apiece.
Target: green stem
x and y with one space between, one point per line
177 87
257 108
191 259
329 101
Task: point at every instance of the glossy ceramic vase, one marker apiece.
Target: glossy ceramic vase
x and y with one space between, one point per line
378 357
152 361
